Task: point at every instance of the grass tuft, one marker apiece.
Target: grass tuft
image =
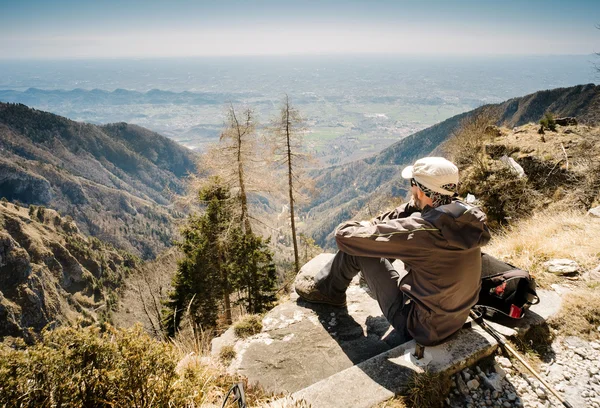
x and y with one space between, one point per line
247 326
427 390
227 354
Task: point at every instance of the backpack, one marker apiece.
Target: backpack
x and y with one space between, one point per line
506 291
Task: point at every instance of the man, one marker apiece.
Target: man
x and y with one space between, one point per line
436 236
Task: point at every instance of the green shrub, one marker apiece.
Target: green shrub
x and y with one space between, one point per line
41 213
31 211
248 326
89 367
100 366
548 122
4 201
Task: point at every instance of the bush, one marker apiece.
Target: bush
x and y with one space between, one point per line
41 213
248 326
548 122
89 367
4 201
100 366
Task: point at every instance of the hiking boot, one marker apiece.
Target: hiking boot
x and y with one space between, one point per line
306 289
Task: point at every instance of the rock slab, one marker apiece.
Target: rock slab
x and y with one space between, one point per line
303 343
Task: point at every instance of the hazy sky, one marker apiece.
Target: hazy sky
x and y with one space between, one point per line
152 28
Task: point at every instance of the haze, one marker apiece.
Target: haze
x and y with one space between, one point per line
33 29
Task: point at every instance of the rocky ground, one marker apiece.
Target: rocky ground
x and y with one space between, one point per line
572 367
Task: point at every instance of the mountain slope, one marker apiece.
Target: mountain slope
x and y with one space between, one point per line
115 180
51 274
346 189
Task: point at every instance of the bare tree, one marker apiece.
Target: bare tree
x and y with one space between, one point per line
598 53
238 161
287 132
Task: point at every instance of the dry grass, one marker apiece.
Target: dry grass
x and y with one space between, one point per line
579 315
227 354
425 390
530 242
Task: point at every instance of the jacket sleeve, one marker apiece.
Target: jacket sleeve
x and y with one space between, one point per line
396 238
403 211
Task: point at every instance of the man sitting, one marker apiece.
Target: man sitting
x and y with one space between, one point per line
438 239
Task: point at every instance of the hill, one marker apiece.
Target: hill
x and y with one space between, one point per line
115 180
51 274
367 184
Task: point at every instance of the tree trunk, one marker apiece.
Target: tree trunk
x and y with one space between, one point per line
243 198
226 295
290 180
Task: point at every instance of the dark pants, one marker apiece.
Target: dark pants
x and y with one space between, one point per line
382 278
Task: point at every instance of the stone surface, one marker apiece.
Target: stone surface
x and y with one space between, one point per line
594 212
226 339
303 343
593 275
561 266
384 375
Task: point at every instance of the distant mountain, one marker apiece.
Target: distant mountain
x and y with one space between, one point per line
346 189
115 180
94 97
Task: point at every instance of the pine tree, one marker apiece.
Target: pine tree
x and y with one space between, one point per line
202 281
254 272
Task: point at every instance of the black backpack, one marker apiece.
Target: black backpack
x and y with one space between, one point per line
505 290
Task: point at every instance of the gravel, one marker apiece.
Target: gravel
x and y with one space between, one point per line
572 368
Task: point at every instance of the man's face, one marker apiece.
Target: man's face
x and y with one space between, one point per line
414 190
415 196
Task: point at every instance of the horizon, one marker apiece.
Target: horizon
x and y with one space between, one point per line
135 29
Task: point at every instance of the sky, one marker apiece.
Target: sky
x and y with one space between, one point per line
80 29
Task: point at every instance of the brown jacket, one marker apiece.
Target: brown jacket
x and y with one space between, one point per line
440 248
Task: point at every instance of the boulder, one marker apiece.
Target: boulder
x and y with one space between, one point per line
593 275
513 165
566 121
562 266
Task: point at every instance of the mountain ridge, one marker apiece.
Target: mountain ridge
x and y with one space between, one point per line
115 180
345 190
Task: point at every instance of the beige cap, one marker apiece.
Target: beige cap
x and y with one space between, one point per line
434 173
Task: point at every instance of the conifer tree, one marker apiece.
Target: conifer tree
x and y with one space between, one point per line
202 281
287 132
255 275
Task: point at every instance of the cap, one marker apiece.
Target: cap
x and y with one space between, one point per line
434 173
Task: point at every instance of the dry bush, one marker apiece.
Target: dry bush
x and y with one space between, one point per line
466 146
503 195
530 242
